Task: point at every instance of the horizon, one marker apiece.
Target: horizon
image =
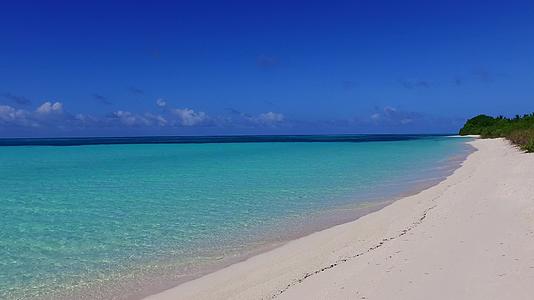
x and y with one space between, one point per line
224 135
213 139
209 68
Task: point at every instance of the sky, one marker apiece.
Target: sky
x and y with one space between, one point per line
261 67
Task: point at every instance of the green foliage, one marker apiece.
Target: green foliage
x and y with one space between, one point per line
529 147
519 130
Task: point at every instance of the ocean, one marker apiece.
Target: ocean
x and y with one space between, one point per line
124 217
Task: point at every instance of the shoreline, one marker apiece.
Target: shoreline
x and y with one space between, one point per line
138 285
352 212
193 289
471 236
141 280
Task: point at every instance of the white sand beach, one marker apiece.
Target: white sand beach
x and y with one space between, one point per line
469 237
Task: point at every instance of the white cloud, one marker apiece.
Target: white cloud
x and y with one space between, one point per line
130 119
7 113
386 114
188 117
269 118
51 115
84 120
49 107
157 119
12 116
179 117
161 102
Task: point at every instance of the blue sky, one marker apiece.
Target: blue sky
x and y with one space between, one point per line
269 67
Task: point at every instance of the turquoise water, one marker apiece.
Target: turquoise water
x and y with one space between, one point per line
104 220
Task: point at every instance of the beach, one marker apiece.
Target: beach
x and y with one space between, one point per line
266 150
469 237
87 220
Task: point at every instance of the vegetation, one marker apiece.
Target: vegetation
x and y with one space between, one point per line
519 130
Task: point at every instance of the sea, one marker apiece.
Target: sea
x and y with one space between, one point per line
122 218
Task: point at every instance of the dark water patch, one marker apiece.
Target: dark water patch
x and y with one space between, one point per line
81 141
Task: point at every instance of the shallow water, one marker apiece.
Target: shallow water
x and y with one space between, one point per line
106 220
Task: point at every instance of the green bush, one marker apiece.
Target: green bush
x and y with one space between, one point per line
529 147
519 130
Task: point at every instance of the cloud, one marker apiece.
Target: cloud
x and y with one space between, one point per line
269 118
50 108
391 116
12 116
266 62
129 119
83 120
188 117
43 115
52 117
414 83
156 119
136 91
161 102
7 113
101 99
17 99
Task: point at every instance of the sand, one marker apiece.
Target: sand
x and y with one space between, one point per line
469 237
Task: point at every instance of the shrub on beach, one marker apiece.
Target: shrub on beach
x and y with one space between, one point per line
519 130
529 147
